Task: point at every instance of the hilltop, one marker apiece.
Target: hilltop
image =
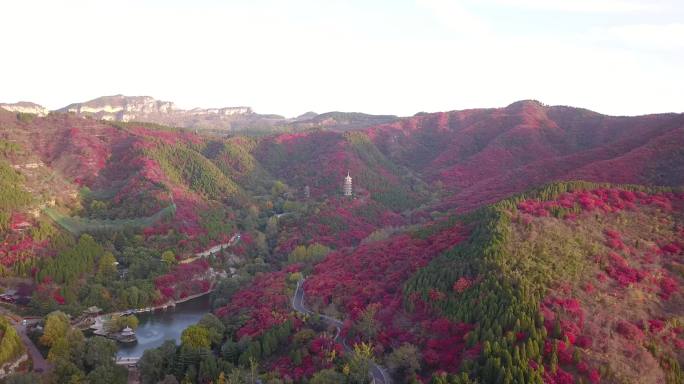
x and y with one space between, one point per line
483 155
468 252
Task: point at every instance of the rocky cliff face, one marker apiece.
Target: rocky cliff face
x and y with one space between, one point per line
229 119
25 107
119 106
149 109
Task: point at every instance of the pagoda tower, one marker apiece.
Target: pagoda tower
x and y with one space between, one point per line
347 185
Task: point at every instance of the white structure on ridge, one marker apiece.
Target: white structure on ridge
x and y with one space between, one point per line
347 185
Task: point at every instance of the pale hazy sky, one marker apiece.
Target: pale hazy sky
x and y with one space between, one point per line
386 56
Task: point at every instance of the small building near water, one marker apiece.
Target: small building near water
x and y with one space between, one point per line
127 335
92 311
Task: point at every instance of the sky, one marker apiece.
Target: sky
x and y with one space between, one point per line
619 57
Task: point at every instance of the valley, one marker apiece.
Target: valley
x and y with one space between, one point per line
523 244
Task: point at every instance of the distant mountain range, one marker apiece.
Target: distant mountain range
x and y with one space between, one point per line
228 119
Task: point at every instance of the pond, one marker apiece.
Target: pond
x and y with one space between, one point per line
159 326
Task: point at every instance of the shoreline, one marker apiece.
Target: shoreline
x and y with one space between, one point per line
171 303
166 305
101 319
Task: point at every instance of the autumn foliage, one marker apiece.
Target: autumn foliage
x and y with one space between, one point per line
184 280
265 302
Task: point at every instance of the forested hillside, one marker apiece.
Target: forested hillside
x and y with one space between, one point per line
574 282
481 156
465 254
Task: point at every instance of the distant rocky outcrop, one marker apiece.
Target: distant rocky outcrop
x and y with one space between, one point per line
119 107
230 119
25 107
148 109
219 120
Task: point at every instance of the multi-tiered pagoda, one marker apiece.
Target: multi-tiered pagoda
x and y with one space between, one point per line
347 185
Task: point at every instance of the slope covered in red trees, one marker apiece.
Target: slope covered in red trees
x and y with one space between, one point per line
483 155
612 255
469 158
263 303
321 160
618 320
369 279
339 223
18 247
583 279
77 148
115 166
183 281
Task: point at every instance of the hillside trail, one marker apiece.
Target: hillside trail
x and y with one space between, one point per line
377 372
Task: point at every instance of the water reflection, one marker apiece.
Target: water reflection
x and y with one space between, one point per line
157 327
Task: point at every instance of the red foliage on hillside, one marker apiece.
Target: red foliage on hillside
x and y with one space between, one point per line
374 272
17 244
483 155
604 200
630 331
77 148
318 159
564 320
321 160
340 223
112 162
19 247
265 302
184 280
629 297
462 284
370 277
320 351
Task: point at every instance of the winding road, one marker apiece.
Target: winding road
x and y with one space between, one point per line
40 365
378 373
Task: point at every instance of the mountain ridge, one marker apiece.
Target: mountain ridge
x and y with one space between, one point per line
147 109
454 217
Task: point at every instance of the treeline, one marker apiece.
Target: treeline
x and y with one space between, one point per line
505 300
500 305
